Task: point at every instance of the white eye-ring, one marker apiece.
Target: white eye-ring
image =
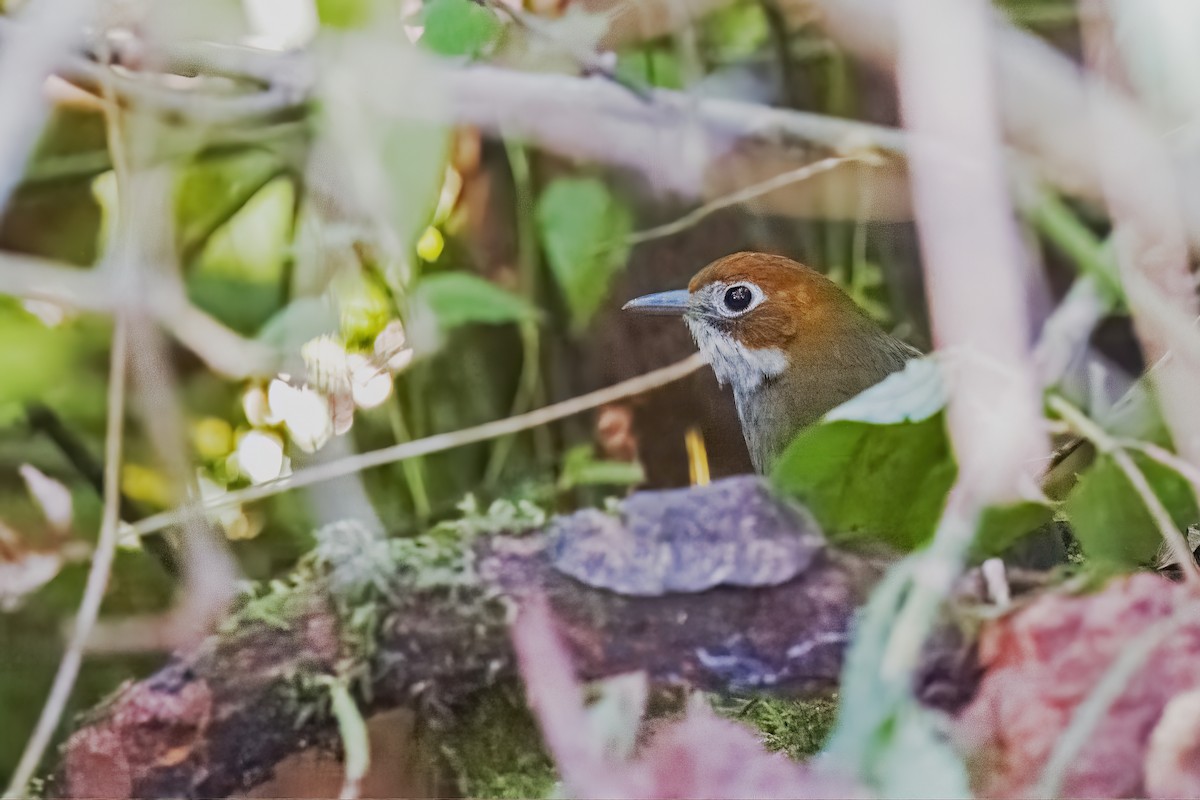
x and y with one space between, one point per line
738 298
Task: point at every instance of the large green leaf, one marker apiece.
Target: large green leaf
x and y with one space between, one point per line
299 321
459 28
887 482
1111 520
583 228
880 465
458 298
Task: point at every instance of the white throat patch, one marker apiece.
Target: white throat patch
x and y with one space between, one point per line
744 367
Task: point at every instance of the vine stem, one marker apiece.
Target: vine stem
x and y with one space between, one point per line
530 385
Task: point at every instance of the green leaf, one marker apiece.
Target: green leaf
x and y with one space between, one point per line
1002 526
414 156
459 28
879 466
887 482
396 165
458 298
581 468
209 193
1111 520
736 31
583 229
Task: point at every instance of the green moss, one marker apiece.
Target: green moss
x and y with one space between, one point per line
495 750
798 728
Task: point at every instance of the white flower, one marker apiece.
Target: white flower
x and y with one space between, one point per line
369 384
304 411
260 456
326 361
256 408
391 347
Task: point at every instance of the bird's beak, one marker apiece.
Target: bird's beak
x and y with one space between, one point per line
672 303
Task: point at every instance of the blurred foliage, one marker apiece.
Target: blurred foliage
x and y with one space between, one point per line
735 31
459 27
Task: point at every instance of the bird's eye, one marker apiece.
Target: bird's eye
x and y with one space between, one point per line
738 298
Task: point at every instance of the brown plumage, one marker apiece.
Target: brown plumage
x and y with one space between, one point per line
790 343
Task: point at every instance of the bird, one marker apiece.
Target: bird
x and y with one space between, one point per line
788 341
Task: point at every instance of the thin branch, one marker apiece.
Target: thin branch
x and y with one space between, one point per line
435 444
97 581
744 195
1175 540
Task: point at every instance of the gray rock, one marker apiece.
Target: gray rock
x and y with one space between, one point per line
732 532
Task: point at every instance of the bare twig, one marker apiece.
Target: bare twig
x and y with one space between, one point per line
437 443
742 196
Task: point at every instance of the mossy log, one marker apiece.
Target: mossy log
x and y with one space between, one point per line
216 721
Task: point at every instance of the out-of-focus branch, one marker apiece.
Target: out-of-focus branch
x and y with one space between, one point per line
49 31
589 119
1152 248
595 120
102 558
976 281
163 298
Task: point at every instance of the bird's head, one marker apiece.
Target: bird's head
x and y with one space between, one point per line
754 316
